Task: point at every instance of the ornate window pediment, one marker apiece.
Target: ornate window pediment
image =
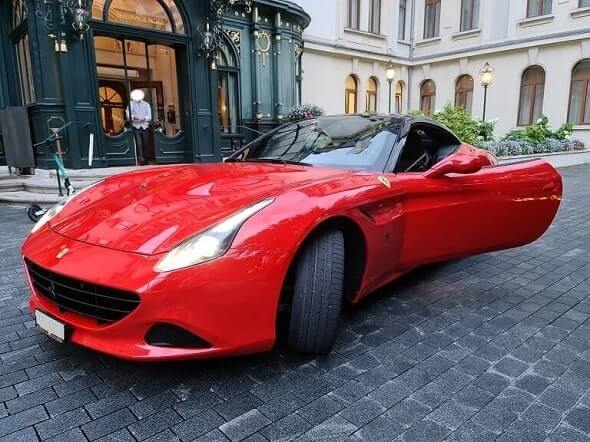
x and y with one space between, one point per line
160 15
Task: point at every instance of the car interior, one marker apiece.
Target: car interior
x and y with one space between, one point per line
425 146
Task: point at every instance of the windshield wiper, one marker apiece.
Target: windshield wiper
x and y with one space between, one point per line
268 160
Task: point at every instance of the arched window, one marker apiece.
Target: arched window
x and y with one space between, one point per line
464 92
532 90
350 96
227 87
112 106
371 99
427 96
160 15
579 112
22 50
399 93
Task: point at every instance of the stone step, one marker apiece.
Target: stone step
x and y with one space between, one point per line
22 197
34 185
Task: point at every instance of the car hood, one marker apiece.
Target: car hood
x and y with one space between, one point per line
152 210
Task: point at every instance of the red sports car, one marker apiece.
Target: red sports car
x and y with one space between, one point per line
196 261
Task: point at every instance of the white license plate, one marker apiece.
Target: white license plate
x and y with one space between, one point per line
55 329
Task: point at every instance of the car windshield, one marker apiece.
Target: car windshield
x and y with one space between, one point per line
352 142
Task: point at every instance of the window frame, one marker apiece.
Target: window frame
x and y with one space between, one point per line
462 94
353 22
533 104
432 31
347 94
371 95
402 20
472 15
586 81
21 51
375 16
431 97
541 10
227 71
399 96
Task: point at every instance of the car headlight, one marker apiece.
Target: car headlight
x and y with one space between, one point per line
48 216
210 244
55 210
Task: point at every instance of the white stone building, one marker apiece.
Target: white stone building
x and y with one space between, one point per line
540 50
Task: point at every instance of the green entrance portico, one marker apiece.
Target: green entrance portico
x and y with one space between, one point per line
202 107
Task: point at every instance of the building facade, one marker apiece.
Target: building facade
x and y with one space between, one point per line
202 106
540 50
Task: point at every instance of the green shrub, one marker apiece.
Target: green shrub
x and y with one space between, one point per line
467 128
540 132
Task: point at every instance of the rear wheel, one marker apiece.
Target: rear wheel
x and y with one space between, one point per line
317 294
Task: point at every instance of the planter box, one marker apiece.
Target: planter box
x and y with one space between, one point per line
557 159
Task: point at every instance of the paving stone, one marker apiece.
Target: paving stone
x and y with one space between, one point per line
320 410
108 424
532 383
286 428
381 429
542 417
335 428
495 419
451 414
522 432
245 425
200 424
64 422
475 397
567 434
513 399
391 393
471 432
510 367
154 424
558 399
425 430
24 435
407 412
578 418
492 382
282 406
18 421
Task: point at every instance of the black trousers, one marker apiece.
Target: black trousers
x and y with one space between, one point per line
141 143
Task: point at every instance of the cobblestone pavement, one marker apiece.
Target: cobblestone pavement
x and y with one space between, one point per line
486 348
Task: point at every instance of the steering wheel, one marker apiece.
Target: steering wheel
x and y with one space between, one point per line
423 162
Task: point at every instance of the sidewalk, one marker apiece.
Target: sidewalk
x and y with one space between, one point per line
41 188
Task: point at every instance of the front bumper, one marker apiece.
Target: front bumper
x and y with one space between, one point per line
230 302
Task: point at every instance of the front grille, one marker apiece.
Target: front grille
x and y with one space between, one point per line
104 304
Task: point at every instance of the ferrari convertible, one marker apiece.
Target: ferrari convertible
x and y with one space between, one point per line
197 261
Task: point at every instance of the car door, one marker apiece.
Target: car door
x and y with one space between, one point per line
466 212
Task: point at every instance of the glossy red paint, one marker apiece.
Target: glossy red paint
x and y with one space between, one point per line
118 230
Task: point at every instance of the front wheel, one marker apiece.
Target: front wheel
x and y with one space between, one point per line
35 212
317 294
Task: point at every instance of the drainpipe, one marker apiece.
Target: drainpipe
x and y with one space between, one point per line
412 41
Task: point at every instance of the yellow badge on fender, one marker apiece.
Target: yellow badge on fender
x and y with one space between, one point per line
63 252
385 181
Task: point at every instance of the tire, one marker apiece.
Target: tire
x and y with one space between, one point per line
317 294
35 212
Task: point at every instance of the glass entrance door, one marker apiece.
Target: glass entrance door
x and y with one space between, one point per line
122 66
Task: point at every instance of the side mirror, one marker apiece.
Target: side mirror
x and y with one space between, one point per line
461 164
